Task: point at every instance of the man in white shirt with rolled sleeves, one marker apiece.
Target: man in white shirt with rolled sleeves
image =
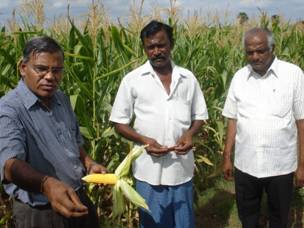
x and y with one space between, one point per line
168 108
265 111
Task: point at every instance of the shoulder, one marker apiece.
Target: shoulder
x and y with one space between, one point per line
185 73
9 101
287 66
11 107
136 73
135 77
242 73
62 98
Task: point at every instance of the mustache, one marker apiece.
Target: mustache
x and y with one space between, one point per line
159 57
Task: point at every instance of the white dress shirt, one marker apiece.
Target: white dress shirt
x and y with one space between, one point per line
266 109
161 116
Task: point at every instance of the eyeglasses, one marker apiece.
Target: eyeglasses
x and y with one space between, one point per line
42 70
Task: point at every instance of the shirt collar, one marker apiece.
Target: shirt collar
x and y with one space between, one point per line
28 97
147 69
273 69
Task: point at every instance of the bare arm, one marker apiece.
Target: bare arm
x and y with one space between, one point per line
184 144
300 169
228 150
62 197
154 147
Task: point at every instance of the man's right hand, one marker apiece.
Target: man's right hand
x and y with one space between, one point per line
227 169
155 149
63 198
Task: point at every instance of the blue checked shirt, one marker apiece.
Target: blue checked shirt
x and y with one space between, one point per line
48 140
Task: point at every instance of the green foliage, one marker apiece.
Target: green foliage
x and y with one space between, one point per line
95 64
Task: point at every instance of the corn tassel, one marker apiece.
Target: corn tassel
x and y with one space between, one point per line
98 178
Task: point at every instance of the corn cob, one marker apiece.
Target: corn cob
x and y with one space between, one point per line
119 179
98 178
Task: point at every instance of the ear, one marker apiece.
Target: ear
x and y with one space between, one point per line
22 68
273 47
172 45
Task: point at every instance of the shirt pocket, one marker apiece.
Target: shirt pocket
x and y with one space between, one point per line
182 112
282 104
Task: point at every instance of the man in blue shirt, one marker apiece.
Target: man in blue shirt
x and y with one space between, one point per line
41 155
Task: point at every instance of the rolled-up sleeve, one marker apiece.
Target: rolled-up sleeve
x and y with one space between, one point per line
12 139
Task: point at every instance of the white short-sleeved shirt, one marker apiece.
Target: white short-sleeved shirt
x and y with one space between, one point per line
162 117
266 109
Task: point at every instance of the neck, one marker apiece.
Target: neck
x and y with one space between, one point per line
46 103
163 71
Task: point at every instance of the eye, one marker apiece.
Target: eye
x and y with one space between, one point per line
41 69
57 70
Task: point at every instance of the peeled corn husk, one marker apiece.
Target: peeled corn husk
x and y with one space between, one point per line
122 189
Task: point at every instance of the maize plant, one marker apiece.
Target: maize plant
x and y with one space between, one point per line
122 183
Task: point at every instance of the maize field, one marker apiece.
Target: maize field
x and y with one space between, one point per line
98 53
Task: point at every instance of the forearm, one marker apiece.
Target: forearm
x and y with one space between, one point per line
129 133
195 127
230 138
23 175
300 128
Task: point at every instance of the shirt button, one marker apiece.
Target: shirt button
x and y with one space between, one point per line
75 166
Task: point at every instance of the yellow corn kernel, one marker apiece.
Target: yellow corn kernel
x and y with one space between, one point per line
98 178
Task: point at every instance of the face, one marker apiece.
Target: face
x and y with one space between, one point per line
258 53
43 73
158 50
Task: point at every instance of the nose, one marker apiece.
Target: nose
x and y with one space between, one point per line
156 51
255 55
49 75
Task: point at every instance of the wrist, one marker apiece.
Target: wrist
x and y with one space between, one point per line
226 155
42 184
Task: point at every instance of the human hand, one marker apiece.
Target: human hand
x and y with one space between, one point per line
95 167
299 176
155 149
184 144
227 169
63 198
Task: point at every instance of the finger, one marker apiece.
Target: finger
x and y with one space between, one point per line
184 147
70 212
98 169
159 150
78 206
156 154
182 152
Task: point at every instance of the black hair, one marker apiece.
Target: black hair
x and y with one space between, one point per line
39 45
155 26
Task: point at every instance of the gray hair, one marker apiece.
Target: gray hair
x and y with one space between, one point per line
254 31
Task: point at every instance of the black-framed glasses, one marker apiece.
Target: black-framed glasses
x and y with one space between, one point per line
43 70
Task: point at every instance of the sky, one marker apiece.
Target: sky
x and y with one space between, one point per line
226 10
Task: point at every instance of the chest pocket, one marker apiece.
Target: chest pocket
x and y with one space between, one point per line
281 104
182 111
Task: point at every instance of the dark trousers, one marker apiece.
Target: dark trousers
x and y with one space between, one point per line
26 216
249 190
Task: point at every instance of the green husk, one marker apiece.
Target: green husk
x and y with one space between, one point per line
122 189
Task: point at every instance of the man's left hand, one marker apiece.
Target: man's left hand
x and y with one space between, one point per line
184 144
